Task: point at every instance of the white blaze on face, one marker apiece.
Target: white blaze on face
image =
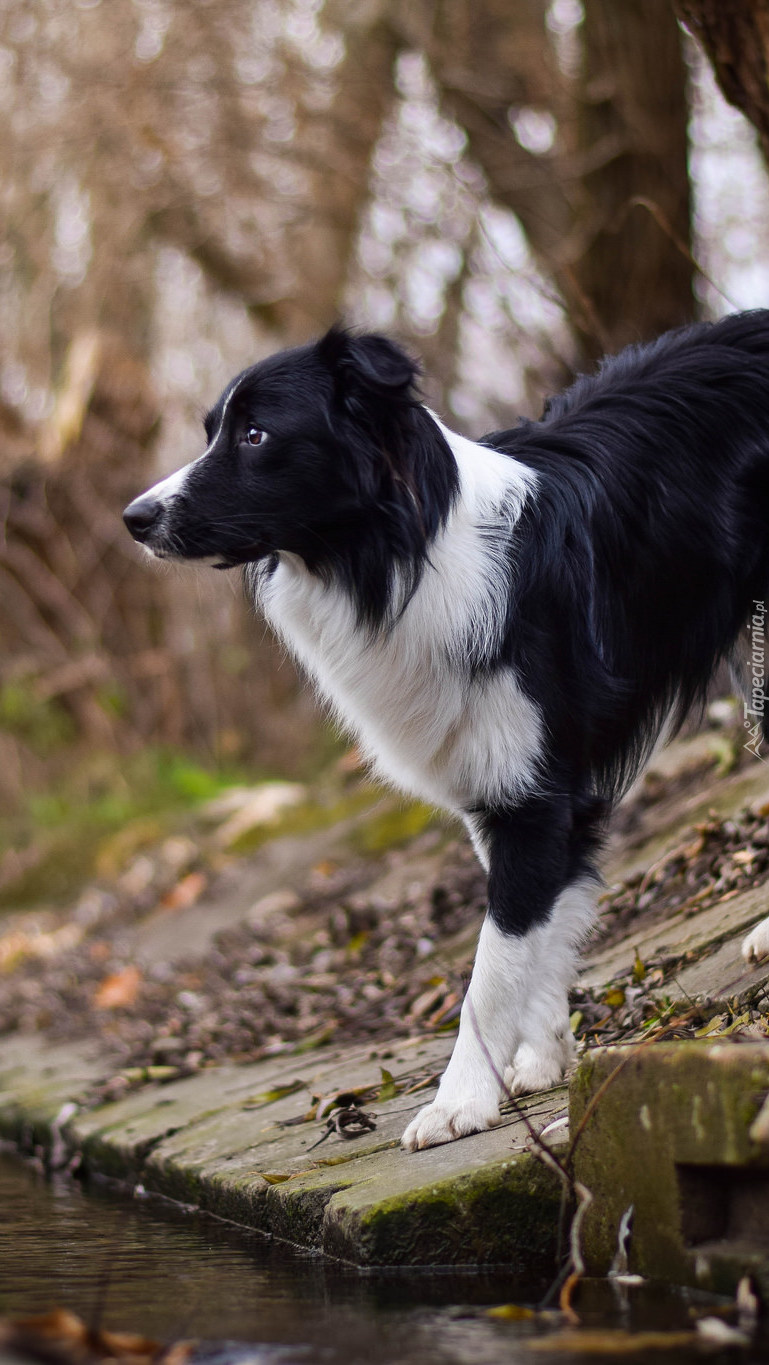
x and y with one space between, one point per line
170 486
173 484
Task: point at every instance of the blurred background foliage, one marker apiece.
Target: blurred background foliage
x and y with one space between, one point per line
511 189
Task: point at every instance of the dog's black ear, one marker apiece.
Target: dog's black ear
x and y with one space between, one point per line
370 362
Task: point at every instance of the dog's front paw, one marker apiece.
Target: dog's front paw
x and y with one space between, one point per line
756 945
539 1067
440 1122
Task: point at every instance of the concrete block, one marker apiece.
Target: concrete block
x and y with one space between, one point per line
671 1129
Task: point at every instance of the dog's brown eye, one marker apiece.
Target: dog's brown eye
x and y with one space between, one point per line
254 436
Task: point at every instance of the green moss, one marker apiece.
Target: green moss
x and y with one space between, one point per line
505 1214
677 1106
296 1209
390 828
323 811
62 830
378 820
43 724
242 1198
175 1180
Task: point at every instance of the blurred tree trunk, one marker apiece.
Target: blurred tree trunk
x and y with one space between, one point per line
297 291
337 146
735 36
606 211
489 59
630 276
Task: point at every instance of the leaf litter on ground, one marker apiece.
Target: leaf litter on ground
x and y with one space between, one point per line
346 963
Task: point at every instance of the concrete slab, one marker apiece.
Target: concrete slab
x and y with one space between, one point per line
685 934
232 1140
670 1131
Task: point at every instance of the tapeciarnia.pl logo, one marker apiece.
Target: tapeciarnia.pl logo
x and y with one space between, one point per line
753 706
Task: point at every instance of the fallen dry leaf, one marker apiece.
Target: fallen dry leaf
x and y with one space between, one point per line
119 990
512 1312
186 892
325 868
37 943
261 806
61 1336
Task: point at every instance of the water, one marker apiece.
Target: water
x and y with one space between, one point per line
174 1273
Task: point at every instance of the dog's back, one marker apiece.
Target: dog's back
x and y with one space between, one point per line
648 539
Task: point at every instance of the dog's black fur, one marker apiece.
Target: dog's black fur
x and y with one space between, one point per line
647 543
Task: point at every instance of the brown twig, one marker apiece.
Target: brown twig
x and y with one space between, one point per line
570 1190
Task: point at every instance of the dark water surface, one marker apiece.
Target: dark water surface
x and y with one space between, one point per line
180 1274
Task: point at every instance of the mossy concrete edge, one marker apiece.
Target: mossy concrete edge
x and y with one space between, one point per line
201 1141
669 1130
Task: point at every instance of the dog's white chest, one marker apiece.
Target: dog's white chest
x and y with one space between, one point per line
429 723
421 718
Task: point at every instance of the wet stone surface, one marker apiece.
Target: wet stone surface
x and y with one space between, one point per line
228 1140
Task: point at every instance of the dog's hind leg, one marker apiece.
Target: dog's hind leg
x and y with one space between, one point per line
514 1024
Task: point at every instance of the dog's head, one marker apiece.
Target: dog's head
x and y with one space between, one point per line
313 451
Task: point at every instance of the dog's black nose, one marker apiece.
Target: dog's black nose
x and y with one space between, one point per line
141 515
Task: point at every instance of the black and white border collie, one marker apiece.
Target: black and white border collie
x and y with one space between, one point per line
505 625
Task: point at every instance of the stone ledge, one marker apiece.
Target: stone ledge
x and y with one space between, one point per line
681 1132
212 1141
674 1133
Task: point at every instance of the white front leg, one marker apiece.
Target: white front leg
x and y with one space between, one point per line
514 1033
